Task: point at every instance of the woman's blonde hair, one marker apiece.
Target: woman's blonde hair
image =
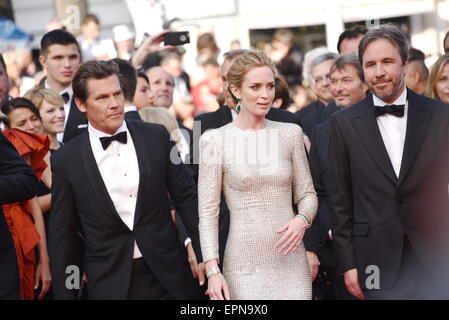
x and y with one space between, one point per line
434 76
37 96
243 64
162 116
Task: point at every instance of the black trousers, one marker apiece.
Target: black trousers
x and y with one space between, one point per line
329 284
144 285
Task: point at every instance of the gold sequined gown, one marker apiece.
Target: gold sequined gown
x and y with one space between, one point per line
259 172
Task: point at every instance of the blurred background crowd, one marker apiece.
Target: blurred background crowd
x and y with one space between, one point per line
284 30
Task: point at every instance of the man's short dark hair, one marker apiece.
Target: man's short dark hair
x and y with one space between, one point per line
142 74
129 77
388 32
352 33
93 70
419 57
349 59
415 54
57 37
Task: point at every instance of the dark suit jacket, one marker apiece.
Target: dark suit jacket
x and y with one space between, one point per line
318 128
373 208
79 194
309 109
318 169
217 119
76 121
313 119
132 115
17 183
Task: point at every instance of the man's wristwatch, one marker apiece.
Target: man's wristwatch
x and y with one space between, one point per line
212 271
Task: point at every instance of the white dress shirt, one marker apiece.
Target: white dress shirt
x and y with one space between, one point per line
67 105
120 172
393 130
130 108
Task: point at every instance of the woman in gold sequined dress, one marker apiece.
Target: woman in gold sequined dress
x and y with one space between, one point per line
259 165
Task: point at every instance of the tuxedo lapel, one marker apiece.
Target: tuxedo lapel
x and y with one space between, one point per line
94 175
75 118
418 120
368 131
144 162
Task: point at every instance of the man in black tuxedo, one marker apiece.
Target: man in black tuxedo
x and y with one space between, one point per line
222 116
60 58
388 180
347 88
113 181
129 80
17 183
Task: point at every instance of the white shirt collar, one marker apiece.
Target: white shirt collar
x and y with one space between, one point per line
130 108
402 99
99 134
69 89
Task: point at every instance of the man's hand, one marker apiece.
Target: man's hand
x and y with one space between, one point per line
314 263
198 270
151 45
352 284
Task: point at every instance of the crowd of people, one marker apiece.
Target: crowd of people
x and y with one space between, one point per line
278 175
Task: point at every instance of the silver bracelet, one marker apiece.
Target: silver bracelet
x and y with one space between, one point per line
212 271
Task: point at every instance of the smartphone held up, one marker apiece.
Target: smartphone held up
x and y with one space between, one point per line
176 38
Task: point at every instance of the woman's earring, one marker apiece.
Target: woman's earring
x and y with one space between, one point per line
239 105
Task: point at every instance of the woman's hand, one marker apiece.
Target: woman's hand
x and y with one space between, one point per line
217 288
293 234
43 275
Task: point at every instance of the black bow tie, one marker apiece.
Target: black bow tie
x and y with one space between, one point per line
393 109
66 97
120 137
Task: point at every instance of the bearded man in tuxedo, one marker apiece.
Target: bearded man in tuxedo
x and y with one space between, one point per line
388 180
